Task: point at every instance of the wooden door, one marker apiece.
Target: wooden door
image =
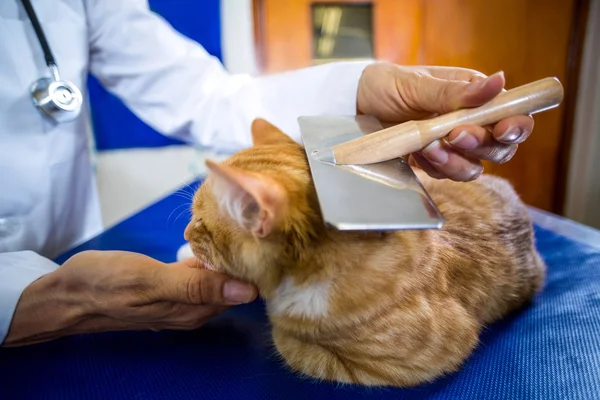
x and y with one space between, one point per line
527 39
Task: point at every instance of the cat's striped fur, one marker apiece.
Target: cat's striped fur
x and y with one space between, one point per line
398 308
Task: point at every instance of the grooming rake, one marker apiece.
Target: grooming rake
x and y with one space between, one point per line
361 180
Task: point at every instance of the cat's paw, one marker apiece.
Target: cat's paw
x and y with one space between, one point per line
185 252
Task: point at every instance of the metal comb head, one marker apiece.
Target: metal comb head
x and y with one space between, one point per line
380 196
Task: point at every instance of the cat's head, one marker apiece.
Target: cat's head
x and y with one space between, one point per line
257 213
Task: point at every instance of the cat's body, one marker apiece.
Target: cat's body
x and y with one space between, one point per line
393 308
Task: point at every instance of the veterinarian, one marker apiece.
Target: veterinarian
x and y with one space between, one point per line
48 198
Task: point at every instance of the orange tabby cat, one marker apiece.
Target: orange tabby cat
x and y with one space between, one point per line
398 308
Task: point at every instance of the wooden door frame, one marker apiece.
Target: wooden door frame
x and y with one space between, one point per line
576 42
259 17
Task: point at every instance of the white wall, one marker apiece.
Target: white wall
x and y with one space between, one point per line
237 36
131 179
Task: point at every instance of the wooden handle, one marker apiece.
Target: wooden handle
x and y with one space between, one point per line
412 136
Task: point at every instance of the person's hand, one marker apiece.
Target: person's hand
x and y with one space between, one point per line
397 94
111 290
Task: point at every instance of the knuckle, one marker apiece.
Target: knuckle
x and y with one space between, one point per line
444 93
211 288
195 290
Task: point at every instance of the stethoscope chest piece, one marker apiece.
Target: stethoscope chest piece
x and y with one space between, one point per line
58 99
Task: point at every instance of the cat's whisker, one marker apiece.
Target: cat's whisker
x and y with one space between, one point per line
180 214
186 196
183 192
192 189
175 209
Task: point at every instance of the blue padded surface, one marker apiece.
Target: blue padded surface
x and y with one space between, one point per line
548 351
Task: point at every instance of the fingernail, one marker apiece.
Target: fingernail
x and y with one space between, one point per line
237 292
435 153
477 85
511 135
474 86
465 141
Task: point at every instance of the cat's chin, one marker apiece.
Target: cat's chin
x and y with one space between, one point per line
186 252
208 266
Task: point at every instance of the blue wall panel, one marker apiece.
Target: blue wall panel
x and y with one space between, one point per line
115 127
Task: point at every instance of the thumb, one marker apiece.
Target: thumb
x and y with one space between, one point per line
199 286
441 96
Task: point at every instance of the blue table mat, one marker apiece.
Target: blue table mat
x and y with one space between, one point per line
550 350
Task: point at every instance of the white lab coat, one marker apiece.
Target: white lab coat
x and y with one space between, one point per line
48 198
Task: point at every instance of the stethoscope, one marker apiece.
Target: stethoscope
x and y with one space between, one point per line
58 99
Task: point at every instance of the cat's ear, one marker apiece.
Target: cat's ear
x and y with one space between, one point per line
254 201
264 133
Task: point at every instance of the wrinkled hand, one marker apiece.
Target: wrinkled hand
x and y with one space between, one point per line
111 290
397 94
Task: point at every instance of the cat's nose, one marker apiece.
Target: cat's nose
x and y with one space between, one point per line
188 231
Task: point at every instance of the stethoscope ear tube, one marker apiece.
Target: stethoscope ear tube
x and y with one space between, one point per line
58 99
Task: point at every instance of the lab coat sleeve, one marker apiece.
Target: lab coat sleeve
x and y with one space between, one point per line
171 83
17 271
